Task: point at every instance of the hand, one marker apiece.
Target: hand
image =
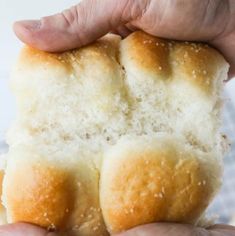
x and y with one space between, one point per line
212 21
167 229
157 229
22 229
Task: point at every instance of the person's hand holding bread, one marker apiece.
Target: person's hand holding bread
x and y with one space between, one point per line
139 115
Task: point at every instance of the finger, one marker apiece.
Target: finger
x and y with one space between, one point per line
78 25
122 30
226 46
22 229
225 230
219 226
164 229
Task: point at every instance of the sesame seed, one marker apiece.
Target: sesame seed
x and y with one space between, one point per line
51 227
143 194
156 195
160 68
199 183
185 54
151 174
204 182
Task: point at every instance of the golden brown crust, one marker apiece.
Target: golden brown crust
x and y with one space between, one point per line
198 63
59 195
167 59
174 60
154 184
148 53
44 195
98 51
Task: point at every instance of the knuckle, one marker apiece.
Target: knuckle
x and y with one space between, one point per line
136 9
142 7
70 16
75 19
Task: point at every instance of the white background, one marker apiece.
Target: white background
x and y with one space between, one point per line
10 11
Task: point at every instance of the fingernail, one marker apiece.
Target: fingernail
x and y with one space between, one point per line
31 25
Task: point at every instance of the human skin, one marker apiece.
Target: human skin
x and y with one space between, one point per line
156 229
211 21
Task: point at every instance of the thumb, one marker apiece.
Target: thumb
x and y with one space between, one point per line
22 229
169 229
164 229
78 25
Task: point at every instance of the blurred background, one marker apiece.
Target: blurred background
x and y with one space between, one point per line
11 10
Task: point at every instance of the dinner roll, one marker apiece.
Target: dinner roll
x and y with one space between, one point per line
114 135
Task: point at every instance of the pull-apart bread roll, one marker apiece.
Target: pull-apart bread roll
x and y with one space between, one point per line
114 135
